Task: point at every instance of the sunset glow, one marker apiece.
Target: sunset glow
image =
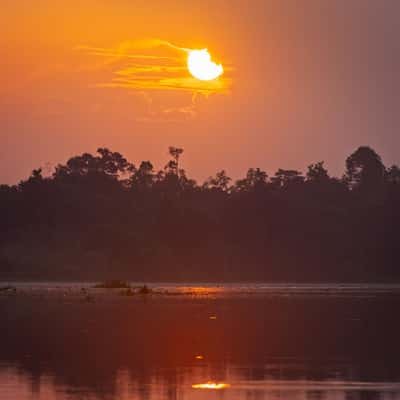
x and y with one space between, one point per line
235 79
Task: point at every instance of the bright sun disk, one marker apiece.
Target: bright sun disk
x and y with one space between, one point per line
201 66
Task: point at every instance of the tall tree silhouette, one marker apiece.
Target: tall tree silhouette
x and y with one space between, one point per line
143 178
220 182
364 169
393 174
255 179
173 165
286 177
317 173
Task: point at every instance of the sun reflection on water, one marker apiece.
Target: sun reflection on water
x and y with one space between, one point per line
211 385
201 290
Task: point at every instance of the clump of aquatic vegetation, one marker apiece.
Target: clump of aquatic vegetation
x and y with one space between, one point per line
112 284
145 290
128 289
132 291
8 289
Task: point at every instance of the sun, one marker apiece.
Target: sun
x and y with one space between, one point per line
201 67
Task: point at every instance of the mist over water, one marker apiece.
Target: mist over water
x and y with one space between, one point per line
262 341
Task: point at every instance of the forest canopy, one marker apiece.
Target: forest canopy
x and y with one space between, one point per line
102 217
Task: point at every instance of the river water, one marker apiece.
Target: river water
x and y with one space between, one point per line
200 341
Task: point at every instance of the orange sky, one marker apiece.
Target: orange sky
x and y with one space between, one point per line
305 83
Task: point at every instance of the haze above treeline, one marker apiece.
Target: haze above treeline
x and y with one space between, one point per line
101 217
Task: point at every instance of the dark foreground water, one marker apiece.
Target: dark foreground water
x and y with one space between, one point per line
201 342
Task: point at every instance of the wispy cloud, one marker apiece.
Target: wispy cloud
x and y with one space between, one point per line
169 114
148 65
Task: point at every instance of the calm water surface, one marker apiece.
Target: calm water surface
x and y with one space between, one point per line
201 342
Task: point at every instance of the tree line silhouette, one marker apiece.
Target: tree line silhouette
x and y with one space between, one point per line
101 217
